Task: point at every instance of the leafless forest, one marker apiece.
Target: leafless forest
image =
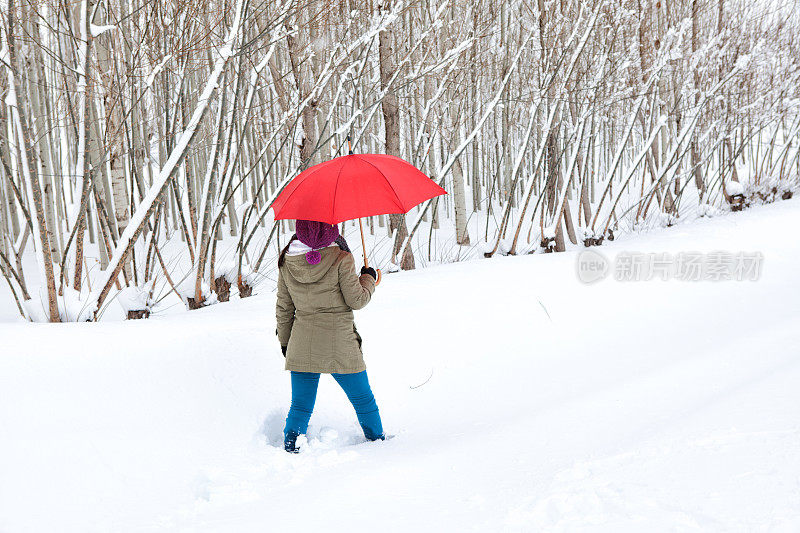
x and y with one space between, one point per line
143 141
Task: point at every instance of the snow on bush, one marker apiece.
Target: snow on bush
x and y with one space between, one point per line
227 269
666 220
186 290
135 298
503 247
230 270
734 187
71 308
249 276
708 210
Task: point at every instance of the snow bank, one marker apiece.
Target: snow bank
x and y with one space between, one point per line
520 400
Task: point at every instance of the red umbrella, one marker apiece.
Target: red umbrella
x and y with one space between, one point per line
354 186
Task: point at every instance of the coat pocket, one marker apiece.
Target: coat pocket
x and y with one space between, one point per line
358 337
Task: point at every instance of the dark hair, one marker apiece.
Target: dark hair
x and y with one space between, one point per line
282 256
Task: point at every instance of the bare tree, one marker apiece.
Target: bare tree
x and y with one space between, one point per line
141 144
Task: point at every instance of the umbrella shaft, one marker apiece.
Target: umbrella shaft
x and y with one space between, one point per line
363 245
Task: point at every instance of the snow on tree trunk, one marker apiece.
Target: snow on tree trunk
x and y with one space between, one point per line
161 183
697 171
391 119
112 145
301 68
342 72
29 169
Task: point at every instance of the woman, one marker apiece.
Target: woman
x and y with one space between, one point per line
317 292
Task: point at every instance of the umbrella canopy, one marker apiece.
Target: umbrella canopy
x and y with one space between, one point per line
354 186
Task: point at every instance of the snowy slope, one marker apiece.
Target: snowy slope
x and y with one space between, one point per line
528 402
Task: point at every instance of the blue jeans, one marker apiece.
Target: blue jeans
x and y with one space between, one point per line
355 386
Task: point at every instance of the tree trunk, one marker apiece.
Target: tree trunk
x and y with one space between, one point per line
120 211
27 159
301 69
697 171
391 119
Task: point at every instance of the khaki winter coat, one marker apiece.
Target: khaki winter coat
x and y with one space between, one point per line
314 312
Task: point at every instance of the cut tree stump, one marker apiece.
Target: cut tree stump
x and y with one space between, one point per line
245 290
194 304
223 289
548 244
138 314
737 202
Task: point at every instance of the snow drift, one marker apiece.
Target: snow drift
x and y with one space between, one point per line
529 402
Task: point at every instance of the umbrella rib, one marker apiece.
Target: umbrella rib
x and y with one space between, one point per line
312 171
336 190
400 203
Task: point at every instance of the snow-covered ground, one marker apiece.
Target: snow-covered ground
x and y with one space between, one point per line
521 400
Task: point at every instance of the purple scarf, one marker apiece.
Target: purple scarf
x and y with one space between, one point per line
315 235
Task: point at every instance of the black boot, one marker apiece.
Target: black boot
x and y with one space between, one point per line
290 442
371 435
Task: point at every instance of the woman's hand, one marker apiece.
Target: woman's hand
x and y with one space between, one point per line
370 271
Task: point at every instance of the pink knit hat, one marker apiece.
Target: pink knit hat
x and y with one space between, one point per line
315 235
